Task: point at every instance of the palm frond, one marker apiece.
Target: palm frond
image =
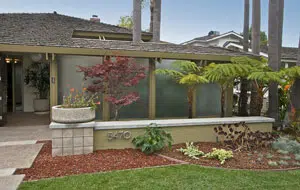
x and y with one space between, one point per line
266 76
291 73
193 79
186 66
176 75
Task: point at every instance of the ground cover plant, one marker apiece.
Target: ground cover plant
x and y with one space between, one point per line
172 177
154 139
191 150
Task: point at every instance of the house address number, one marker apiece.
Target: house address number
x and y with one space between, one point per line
119 135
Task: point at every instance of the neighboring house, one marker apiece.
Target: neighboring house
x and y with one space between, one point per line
234 41
65 42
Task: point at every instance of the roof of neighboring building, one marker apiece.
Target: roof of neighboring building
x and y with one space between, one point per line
55 30
212 37
286 52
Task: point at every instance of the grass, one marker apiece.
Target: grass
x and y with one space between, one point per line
172 177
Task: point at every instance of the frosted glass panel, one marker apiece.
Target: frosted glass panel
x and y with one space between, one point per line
208 100
171 98
138 109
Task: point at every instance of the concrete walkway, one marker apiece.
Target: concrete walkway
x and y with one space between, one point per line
18 149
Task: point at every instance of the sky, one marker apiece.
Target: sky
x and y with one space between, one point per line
182 20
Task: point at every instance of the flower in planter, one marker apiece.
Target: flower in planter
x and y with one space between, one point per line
80 99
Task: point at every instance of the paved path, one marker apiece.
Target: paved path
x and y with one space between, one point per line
18 149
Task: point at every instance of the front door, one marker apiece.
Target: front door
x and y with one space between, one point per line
3 90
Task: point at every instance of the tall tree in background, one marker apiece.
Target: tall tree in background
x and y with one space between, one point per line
243 100
296 87
137 21
274 53
255 102
126 22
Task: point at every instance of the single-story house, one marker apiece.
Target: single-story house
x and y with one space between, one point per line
65 42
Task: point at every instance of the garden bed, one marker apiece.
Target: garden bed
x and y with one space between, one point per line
46 166
256 159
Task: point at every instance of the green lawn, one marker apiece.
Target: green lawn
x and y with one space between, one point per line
173 177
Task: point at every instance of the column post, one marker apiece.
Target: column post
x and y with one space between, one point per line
53 82
152 89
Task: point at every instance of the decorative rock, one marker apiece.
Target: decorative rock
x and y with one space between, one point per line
72 115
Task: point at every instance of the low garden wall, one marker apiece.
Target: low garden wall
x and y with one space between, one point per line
119 134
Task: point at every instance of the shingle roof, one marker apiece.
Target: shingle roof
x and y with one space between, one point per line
55 30
286 52
47 28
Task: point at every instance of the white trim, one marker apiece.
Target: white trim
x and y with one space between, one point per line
179 122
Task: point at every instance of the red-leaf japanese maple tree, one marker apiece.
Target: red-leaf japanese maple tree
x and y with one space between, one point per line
115 77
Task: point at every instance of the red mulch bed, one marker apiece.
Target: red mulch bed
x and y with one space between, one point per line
240 160
45 166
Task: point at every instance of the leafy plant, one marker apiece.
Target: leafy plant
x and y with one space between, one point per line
271 163
37 76
282 152
286 145
297 157
220 154
154 139
283 163
238 136
296 163
191 151
82 99
269 156
188 74
115 78
285 158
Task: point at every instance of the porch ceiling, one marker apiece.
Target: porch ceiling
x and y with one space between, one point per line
124 48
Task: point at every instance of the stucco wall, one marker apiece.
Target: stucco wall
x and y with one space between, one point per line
179 134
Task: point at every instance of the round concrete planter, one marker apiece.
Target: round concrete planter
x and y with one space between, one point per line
72 115
41 105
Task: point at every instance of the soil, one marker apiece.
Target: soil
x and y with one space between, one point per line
256 159
46 166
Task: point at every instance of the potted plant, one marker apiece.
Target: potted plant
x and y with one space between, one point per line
37 76
77 107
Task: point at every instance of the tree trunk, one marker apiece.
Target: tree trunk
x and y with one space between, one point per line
190 101
152 4
222 102
256 106
137 21
255 44
243 99
274 53
156 21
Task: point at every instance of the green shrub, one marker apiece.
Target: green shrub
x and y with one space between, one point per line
191 151
285 158
154 139
282 152
296 163
297 157
219 154
283 163
271 163
285 144
269 155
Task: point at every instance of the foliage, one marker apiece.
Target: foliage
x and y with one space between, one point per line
297 156
283 163
282 152
77 99
220 154
271 163
37 76
293 130
286 144
238 136
153 140
188 74
269 156
283 93
191 151
296 163
285 158
126 22
115 79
